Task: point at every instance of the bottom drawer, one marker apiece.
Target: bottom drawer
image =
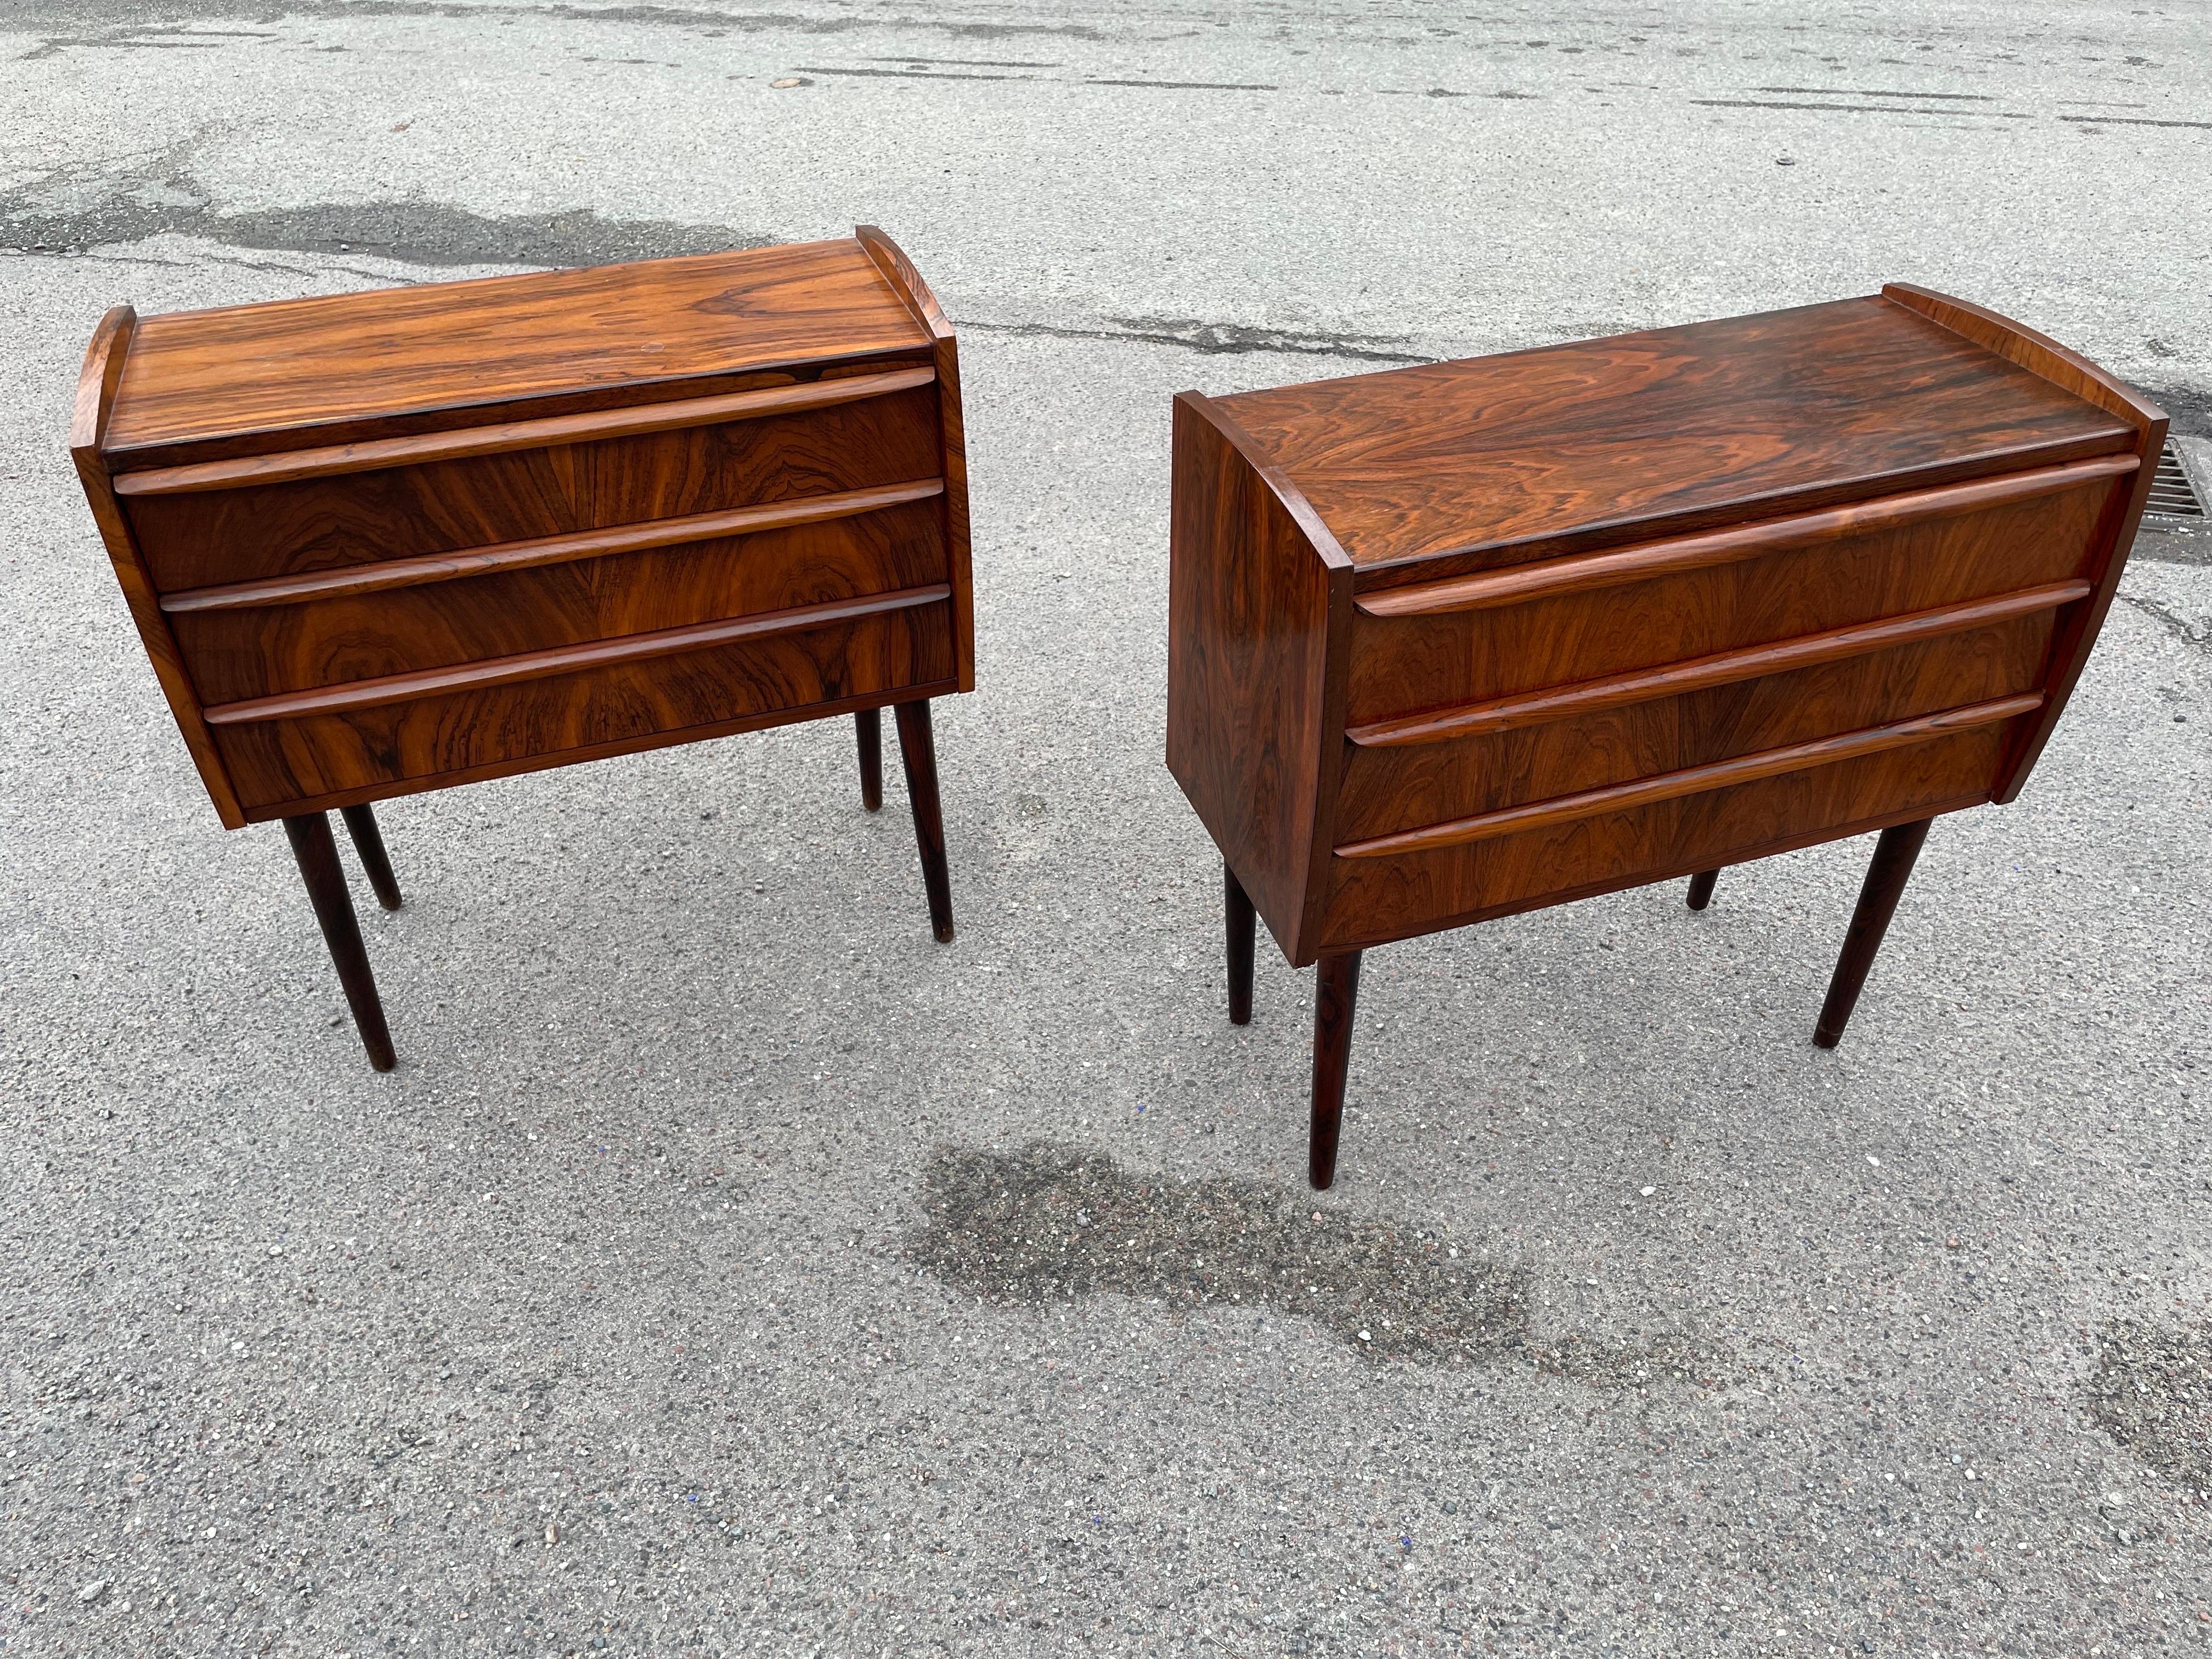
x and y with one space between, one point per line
279 763
1377 899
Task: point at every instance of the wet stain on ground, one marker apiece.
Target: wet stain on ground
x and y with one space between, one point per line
2151 1390
1046 1224
71 209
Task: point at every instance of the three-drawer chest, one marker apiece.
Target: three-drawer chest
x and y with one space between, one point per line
381 543
1453 641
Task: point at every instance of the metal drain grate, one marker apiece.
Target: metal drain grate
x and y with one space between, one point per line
2172 495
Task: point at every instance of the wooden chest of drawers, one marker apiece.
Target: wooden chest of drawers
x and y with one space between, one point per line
1454 641
382 542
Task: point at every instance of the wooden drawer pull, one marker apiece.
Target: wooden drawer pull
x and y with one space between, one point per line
1691 781
545 549
566 660
379 453
1519 584
1722 668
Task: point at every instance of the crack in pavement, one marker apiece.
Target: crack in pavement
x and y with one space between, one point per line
2175 623
126 12
1049 1223
1220 339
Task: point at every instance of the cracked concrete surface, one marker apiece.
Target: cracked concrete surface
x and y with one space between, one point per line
619 1319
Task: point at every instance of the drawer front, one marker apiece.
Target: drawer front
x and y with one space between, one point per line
1373 900
209 537
236 655
394 747
1406 665
1399 787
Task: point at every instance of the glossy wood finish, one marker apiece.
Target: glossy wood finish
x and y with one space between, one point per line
250 380
1892 868
1450 467
377 543
1701 888
868 730
317 855
1453 642
375 862
918 751
471 506
1336 1001
1241 925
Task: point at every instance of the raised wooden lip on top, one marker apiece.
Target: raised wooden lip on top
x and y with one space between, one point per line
500 348
1481 550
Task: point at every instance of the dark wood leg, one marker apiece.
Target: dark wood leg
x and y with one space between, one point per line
868 726
1885 884
1701 888
1237 905
918 751
368 842
317 857
1336 994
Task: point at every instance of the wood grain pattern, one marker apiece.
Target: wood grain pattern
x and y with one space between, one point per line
1697 779
899 271
1551 578
1373 901
1725 668
1254 709
371 752
286 374
2115 536
504 438
562 660
1389 789
240 654
104 360
225 536
349 581
1408 666
1448 468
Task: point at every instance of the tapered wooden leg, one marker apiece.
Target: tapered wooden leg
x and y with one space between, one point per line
1336 994
1238 906
368 842
918 753
868 726
1701 888
317 857
1885 884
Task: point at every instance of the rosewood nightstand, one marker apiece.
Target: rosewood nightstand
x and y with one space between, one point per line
1450 642
382 542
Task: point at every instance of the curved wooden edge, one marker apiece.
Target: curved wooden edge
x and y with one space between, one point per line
643 742
1692 780
1310 524
96 381
349 580
2038 354
376 453
1581 573
890 261
95 401
565 658
2116 532
906 281
1721 668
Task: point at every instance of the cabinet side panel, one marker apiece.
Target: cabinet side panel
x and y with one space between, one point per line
2115 535
103 368
1247 640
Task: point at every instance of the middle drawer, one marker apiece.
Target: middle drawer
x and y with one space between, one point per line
264 649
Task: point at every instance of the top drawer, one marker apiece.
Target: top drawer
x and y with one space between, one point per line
575 477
